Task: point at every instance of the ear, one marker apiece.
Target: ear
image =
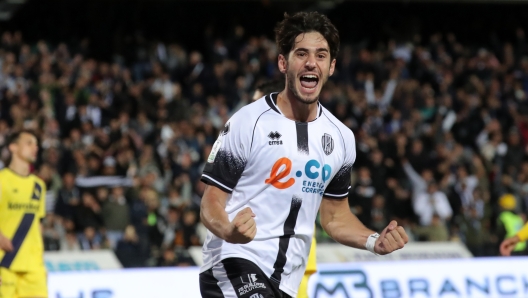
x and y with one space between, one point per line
332 67
283 63
11 147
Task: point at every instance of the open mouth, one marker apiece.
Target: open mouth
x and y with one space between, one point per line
309 81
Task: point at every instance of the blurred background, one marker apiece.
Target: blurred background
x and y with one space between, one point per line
129 96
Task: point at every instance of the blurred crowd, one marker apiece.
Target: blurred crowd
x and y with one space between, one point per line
441 136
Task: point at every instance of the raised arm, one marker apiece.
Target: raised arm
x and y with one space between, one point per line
418 183
369 90
389 92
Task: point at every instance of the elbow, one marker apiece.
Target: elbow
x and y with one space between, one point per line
327 226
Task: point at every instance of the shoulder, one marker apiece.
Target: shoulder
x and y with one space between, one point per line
6 175
39 181
247 116
254 109
345 133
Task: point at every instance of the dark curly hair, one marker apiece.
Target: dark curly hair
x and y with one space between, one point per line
303 22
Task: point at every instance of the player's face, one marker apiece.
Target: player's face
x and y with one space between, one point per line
26 148
307 66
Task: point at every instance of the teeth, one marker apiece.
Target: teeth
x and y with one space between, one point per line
310 76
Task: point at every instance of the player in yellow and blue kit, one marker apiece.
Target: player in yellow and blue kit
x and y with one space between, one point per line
22 206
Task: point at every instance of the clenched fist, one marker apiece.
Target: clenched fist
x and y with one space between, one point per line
392 238
242 228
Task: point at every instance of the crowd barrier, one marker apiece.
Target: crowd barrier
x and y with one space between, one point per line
474 277
337 253
86 260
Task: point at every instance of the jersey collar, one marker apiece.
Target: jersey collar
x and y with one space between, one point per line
271 100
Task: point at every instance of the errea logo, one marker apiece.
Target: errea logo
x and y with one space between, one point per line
275 138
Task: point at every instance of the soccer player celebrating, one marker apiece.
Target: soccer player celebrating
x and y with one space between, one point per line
275 164
311 264
22 206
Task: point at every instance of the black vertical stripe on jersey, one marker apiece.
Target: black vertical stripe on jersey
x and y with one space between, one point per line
18 239
37 192
302 137
284 241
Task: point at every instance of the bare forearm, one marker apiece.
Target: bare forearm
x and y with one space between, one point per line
214 217
347 229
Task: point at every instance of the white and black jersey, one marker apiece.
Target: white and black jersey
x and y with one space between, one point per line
281 169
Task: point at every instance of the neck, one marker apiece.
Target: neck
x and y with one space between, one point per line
294 109
19 166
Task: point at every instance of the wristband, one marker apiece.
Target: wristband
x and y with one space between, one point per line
371 242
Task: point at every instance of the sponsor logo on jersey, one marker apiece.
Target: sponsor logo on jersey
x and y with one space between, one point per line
23 206
250 284
257 295
328 143
313 175
275 138
214 150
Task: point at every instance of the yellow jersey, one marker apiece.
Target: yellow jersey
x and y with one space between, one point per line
311 266
523 233
22 206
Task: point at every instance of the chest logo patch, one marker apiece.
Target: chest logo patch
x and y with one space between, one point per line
274 137
328 144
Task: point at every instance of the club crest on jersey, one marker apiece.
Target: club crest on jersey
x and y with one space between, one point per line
275 138
226 129
328 143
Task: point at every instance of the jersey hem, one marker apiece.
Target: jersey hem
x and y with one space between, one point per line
288 291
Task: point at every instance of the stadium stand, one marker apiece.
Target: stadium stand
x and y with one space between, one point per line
441 133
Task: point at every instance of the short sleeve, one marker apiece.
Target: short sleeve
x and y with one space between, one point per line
229 155
340 184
